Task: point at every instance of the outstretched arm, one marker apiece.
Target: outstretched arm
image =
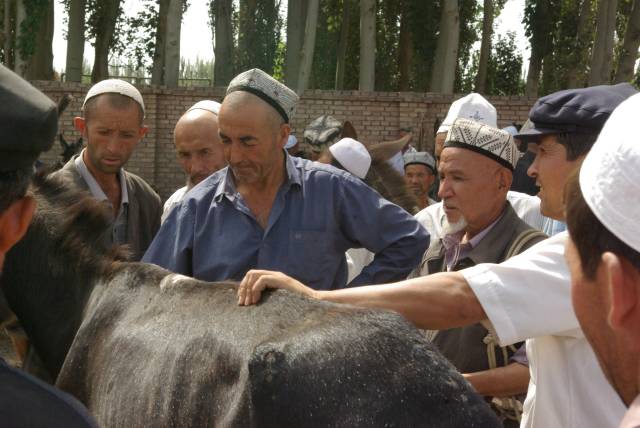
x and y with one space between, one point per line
434 302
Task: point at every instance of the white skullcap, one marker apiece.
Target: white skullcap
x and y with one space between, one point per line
208 105
352 155
610 174
115 86
291 141
512 130
473 106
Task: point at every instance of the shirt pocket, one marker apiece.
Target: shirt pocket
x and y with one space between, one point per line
307 256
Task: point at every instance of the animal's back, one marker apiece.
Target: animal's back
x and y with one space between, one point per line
187 355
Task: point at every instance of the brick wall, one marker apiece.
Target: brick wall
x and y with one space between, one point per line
377 116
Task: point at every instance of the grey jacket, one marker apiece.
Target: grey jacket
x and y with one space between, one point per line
144 211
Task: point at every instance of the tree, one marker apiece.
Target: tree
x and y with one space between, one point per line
602 53
22 39
103 23
505 67
296 19
75 40
258 34
160 48
367 45
306 55
172 43
446 58
485 47
629 53
40 63
405 51
578 53
343 41
222 10
539 20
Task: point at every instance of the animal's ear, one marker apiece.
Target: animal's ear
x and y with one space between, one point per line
348 131
14 222
63 142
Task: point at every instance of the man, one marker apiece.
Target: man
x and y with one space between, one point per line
525 297
420 174
198 148
28 126
112 126
270 210
603 253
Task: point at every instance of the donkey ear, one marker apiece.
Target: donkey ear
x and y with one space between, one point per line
348 131
63 142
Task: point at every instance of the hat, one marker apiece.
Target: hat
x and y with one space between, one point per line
610 177
353 156
512 130
422 158
208 105
291 141
115 86
28 122
582 110
323 130
473 106
486 140
274 93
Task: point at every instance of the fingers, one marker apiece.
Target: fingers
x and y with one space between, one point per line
252 285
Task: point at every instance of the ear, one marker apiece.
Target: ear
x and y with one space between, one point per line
80 124
283 135
14 222
624 296
143 131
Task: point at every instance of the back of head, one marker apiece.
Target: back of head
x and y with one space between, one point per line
473 106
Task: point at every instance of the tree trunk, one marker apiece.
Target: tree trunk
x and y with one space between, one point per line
602 53
104 37
533 75
306 55
367 45
7 33
629 54
75 41
172 44
343 42
223 65
443 73
405 51
40 66
247 33
159 59
296 18
580 46
485 48
20 62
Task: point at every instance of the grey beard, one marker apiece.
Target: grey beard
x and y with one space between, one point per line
449 228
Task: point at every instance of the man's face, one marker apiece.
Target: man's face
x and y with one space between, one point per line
111 135
592 304
470 186
198 145
551 169
252 139
419 178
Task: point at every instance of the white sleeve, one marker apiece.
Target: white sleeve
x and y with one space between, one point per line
528 295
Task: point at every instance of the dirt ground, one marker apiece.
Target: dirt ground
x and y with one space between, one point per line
6 349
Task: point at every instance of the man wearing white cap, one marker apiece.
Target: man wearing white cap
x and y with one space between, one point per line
112 126
603 253
270 210
525 297
198 148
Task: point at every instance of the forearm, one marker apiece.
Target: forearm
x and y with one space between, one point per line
434 302
500 382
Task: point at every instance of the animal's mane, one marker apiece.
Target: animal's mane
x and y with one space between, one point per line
77 224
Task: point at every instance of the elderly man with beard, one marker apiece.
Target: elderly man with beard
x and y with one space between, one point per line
198 148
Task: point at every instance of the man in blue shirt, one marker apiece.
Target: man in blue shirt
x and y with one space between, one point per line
268 210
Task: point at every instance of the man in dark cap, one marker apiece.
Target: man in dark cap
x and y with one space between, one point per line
420 174
526 297
269 210
28 125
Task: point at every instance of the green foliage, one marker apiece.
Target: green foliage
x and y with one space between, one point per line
470 31
323 69
505 67
260 36
29 27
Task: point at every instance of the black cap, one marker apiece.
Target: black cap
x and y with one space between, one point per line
28 122
582 110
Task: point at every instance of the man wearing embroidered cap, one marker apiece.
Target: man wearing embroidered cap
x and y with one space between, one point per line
525 297
28 125
420 174
198 148
112 126
603 253
269 210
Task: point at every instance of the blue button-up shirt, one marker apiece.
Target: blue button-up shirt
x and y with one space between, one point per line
319 212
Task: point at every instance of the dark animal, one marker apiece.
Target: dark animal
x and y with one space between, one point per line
140 346
68 149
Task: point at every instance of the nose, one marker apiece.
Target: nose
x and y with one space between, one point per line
532 171
233 153
444 191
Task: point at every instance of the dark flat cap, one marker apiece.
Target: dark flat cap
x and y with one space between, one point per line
582 110
28 122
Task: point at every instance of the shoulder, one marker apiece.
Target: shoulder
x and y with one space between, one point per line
140 186
319 171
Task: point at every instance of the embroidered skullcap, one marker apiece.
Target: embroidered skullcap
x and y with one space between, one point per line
274 93
28 122
422 158
115 86
486 140
610 176
208 105
291 141
324 130
473 106
353 156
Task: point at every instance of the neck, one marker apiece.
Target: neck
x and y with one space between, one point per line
473 230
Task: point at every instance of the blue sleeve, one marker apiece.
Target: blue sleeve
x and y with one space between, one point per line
173 244
392 234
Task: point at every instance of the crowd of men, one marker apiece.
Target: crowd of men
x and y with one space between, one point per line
514 301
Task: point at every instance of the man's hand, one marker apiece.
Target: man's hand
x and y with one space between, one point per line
255 281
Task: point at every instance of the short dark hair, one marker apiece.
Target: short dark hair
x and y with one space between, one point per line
117 101
576 144
13 186
589 235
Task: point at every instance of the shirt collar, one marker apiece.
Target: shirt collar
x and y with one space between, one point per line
94 187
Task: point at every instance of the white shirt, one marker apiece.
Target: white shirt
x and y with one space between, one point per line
529 297
173 200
